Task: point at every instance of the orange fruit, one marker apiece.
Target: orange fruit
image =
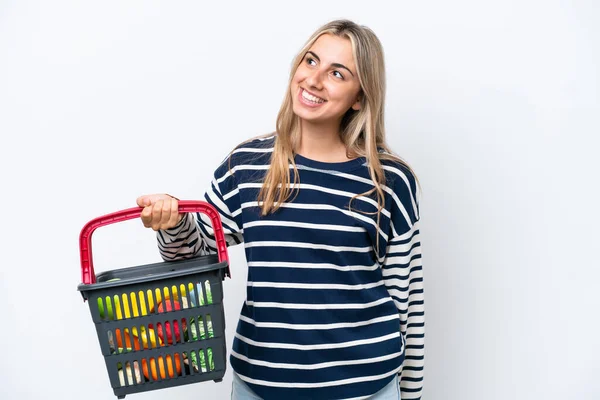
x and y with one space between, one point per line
148 338
169 370
127 339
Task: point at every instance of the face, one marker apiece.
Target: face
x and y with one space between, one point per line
325 85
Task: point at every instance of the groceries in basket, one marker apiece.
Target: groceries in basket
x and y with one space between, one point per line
159 325
128 369
136 338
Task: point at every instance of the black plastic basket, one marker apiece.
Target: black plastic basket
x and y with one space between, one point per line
159 325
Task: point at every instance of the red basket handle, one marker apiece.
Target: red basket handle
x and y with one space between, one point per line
85 238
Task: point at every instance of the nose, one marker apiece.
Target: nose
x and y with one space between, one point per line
314 79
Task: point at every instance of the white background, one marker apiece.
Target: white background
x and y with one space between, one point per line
494 103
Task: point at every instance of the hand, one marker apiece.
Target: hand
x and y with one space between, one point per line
161 211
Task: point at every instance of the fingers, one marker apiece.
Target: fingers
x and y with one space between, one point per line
174 213
159 211
149 199
141 201
146 216
157 215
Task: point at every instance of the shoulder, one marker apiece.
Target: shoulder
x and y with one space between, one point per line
397 171
402 180
253 151
256 143
249 155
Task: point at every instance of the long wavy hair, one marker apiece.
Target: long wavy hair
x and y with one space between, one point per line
362 131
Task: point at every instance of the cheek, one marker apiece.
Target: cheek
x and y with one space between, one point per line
351 96
293 89
298 77
344 97
297 81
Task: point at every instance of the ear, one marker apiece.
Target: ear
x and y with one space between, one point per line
356 106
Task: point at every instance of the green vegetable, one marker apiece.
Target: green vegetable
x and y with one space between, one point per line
208 295
109 310
200 291
202 367
202 335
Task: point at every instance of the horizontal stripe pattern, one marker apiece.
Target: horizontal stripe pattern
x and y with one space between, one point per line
403 276
313 286
317 326
327 364
327 314
267 264
313 208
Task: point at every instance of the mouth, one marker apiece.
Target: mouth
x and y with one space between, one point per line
310 99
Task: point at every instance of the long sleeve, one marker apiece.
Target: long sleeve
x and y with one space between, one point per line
194 234
403 277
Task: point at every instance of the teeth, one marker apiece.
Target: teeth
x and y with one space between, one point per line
310 97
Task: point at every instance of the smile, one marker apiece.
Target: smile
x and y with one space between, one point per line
309 99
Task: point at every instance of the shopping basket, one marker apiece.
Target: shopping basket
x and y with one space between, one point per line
159 325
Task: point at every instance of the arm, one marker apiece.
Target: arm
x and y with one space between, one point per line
194 235
403 277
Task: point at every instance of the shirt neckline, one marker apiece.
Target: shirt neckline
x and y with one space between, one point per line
334 166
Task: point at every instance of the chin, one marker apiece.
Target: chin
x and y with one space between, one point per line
303 115
300 112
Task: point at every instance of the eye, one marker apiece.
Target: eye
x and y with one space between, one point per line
310 60
339 74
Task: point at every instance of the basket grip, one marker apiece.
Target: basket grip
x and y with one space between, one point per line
85 238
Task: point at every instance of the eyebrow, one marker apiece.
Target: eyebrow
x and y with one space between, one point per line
337 65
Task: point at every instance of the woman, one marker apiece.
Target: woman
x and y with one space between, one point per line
330 223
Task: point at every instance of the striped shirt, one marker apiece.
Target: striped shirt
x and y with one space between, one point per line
327 314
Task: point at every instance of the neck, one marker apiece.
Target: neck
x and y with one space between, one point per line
321 142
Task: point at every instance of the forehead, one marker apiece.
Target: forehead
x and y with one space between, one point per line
334 49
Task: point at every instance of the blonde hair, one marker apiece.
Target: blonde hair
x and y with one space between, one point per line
362 131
